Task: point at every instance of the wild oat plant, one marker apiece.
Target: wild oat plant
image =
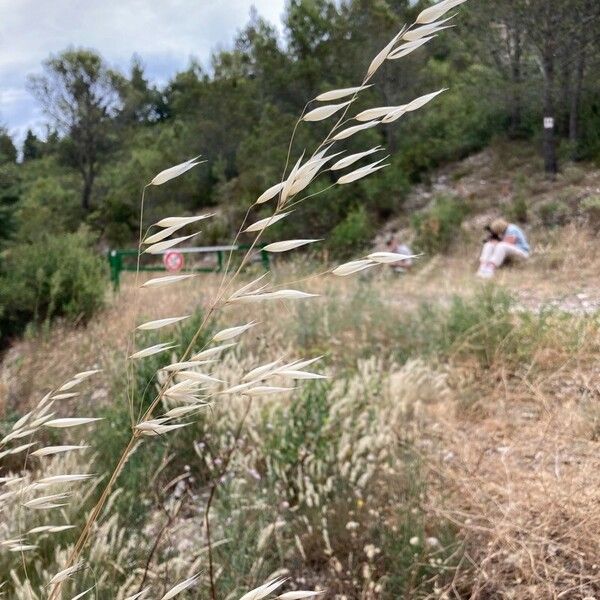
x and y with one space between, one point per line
45 497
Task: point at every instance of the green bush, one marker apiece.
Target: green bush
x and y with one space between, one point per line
58 275
352 235
591 209
553 213
438 226
518 211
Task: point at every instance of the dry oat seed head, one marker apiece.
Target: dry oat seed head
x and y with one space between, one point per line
433 13
176 171
71 422
162 246
22 548
375 113
394 116
161 235
152 350
259 372
423 100
213 351
161 323
180 587
43 501
352 267
232 332
138 595
182 221
278 295
82 594
270 193
264 223
65 573
288 245
362 172
380 58
408 48
263 591
350 131
341 93
324 112
299 595
390 257
426 30
64 478
353 158
51 450
168 280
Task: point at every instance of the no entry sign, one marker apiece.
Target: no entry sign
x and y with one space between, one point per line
173 261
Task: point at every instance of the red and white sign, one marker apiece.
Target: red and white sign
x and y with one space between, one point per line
173 261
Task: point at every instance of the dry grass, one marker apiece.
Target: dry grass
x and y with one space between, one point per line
512 453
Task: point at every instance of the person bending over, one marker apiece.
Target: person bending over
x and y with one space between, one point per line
506 241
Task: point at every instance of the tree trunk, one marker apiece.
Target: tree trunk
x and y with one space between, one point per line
567 94
86 193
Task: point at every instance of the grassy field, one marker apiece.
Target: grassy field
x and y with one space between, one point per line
452 452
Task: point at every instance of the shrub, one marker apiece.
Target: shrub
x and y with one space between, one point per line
553 213
55 276
438 226
518 210
352 235
573 174
591 209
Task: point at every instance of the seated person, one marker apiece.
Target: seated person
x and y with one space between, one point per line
505 241
393 245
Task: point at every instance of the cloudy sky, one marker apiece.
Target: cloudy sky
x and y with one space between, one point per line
165 33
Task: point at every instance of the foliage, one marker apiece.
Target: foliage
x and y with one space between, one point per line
591 209
518 211
56 275
353 235
553 213
437 227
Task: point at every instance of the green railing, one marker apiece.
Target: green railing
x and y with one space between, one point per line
118 260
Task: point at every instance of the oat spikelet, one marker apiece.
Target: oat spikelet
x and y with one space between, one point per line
433 13
264 223
180 587
341 93
176 171
324 112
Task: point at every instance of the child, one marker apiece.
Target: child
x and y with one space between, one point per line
506 241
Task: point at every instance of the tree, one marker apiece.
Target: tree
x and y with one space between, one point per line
31 146
141 103
500 38
8 152
81 96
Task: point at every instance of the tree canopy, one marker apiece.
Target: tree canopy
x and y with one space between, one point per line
509 64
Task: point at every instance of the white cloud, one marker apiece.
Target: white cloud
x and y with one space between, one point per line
165 33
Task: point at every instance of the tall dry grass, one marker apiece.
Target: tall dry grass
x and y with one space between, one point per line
188 385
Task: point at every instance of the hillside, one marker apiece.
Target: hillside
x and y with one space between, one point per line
453 454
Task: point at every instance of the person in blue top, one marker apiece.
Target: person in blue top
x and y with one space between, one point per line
507 241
